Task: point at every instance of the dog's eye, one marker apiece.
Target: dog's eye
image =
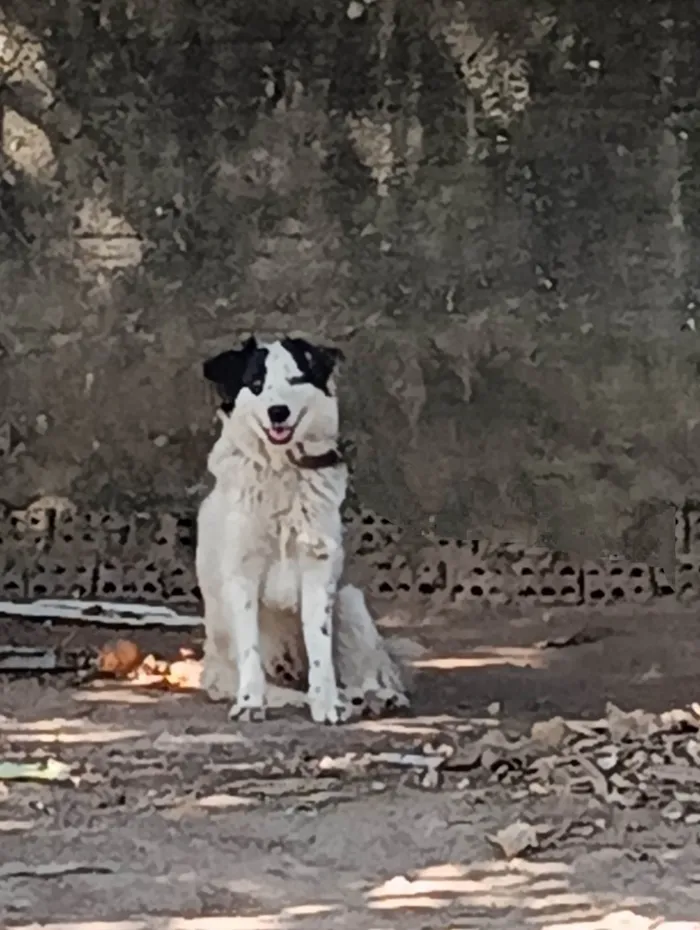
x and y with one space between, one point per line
256 386
299 379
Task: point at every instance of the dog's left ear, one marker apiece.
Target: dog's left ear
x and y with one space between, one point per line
324 360
227 370
317 363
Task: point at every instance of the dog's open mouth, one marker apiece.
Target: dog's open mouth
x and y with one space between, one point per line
279 435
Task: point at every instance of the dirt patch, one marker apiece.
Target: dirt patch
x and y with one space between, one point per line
180 820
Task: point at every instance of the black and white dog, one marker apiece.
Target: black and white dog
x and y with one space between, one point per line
270 545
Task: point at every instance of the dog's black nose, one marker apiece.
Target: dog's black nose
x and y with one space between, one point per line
278 413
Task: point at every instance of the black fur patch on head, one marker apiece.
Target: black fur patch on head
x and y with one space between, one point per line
316 363
235 369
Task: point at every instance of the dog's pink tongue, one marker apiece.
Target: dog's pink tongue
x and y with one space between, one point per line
279 432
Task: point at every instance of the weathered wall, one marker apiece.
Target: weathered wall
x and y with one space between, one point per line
491 207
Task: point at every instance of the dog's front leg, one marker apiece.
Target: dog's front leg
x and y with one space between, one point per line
241 590
318 588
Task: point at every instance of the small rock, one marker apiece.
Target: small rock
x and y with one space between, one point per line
675 719
692 747
354 10
431 779
494 709
549 733
636 723
489 759
673 811
608 761
518 838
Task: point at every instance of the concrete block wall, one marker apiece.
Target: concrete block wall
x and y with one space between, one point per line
54 550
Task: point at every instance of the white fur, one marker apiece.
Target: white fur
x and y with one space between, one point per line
269 560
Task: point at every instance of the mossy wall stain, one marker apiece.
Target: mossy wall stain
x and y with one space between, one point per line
493 211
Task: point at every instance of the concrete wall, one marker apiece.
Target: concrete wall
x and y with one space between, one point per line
494 213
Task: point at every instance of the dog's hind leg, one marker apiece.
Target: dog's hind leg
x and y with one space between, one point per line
365 666
277 697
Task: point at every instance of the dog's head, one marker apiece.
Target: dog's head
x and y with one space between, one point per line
282 390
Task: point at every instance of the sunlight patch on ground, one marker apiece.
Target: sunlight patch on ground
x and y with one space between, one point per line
48 725
27 146
489 656
262 922
308 910
22 62
623 920
175 741
106 612
61 730
17 826
106 239
518 886
115 695
436 892
223 802
417 726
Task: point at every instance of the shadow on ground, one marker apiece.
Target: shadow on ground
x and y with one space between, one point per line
182 821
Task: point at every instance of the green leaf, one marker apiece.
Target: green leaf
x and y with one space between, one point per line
46 770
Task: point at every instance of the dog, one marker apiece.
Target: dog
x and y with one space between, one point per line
270 545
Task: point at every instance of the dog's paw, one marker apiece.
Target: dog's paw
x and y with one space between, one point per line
356 699
250 703
386 700
329 707
247 714
219 680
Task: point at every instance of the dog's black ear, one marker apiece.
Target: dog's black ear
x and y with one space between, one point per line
227 371
317 363
325 360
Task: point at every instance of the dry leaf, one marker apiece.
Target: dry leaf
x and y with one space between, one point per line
518 838
185 674
119 658
152 666
46 770
635 723
549 733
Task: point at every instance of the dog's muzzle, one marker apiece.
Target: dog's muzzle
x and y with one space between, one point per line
279 432
279 435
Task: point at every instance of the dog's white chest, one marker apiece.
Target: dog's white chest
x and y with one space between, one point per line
281 516
281 587
280 498
279 519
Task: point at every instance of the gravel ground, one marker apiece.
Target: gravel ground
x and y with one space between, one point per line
177 819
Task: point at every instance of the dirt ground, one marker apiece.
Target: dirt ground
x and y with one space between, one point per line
180 820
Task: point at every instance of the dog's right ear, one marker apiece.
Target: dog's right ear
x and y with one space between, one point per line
227 371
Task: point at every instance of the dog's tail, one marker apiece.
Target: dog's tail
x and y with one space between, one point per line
276 697
364 656
351 603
